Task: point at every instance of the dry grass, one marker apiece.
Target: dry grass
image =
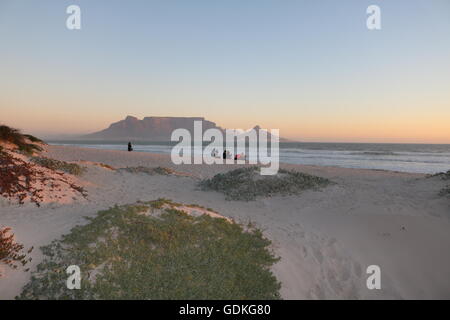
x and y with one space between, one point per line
11 252
154 171
11 135
54 164
20 179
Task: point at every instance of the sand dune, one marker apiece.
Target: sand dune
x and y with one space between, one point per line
326 239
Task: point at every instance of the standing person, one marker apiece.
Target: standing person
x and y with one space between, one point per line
130 147
224 155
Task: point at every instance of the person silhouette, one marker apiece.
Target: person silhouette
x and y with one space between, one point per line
224 155
130 147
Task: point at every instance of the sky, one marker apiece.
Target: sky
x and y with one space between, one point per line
309 68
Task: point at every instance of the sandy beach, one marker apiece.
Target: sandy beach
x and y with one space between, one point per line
326 239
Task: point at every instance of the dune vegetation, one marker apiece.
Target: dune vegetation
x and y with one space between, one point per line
163 171
25 143
11 252
25 176
442 175
154 250
54 164
148 170
247 184
445 192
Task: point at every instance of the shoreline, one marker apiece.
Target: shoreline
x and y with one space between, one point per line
284 164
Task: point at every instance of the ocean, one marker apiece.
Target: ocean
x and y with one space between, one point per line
418 158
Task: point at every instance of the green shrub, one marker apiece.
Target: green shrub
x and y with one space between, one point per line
127 253
247 184
54 164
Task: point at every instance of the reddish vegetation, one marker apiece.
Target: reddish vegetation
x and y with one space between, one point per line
20 180
10 251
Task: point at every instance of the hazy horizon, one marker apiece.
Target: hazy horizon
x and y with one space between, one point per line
79 137
311 69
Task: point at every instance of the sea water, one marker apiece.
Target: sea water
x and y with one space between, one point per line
418 158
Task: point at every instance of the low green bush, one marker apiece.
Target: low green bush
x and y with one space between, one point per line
247 184
151 250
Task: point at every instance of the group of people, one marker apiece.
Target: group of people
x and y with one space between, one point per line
226 154
215 153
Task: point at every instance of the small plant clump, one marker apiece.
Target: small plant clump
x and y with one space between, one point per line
11 252
14 136
247 184
445 192
33 138
442 175
151 250
54 164
106 166
151 171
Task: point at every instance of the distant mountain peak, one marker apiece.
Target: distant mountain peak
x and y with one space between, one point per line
148 129
151 128
131 118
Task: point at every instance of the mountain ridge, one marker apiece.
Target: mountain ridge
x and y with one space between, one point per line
153 128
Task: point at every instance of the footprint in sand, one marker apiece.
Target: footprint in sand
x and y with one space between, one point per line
339 275
318 255
305 251
357 269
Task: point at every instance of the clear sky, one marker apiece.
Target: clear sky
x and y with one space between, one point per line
310 68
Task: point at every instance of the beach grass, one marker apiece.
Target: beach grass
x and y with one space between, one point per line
53 164
151 250
247 184
33 138
21 180
162 171
148 170
14 136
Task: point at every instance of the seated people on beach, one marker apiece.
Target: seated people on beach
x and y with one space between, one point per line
239 156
